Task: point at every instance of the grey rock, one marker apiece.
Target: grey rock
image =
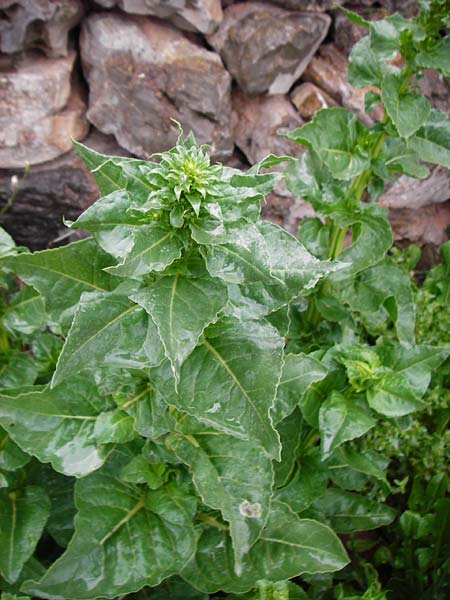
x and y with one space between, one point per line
42 24
47 193
267 48
308 5
193 15
142 74
40 108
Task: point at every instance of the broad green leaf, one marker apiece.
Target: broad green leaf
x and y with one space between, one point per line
290 431
347 512
108 175
181 308
398 157
7 245
309 483
432 140
232 476
243 260
436 57
25 313
372 238
288 547
56 425
230 380
109 212
364 67
107 329
23 515
386 38
173 588
155 247
18 369
334 134
62 274
406 377
11 456
125 538
408 111
384 291
353 17
60 491
348 463
141 470
342 418
299 372
115 426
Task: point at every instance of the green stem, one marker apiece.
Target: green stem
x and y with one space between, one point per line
209 520
4 340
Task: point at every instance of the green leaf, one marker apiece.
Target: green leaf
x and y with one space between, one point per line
364 67
408 111
115 426
406 378
18 369
347 512
7 245
367 462
354 17
62 274
288 547
342 418
108 175
155 247
290 430
56 425
25 313
107 329
232 476
300 371
11 456
230 380
384 291
181 308
23 515
432 140
124 539
109 212
436 57
141 470
334 134
309 483
372 238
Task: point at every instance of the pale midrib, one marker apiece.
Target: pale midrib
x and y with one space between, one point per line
295 545
67 276
172 299
136 256
235 379
13 528
123 521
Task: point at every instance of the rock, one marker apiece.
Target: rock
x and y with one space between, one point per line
428 225
257 121
42 24
346 33
436 88
61 188
265 47
142 74
328 70
308 99
308 5
40 110
407 192
201 15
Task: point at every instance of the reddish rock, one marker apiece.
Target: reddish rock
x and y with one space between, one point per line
308 99
308 5
407 192
202 15
42 24
328 70
41 110
265 47
61 188
142 74
428 225
346 33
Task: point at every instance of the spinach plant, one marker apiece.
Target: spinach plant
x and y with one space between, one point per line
217 375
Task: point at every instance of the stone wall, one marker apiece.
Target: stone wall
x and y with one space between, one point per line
115 73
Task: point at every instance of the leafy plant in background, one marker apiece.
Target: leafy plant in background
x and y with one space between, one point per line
209 415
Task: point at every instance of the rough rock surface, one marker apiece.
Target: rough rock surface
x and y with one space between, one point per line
428 225
143 73
61 188
265 47
200 15
42 24
407 192
313 5
308 99
328 70
40 110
